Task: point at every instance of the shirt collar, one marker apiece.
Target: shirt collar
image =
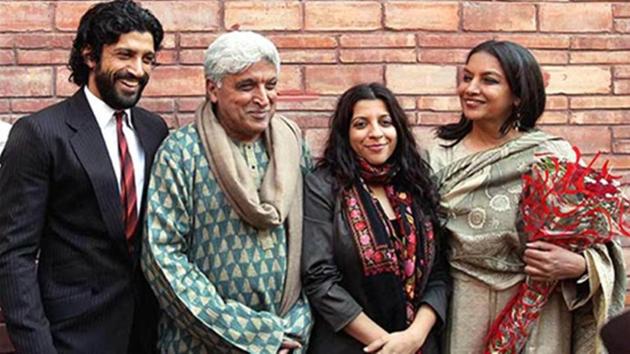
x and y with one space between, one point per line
104 114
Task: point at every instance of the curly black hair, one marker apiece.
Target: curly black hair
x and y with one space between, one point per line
414 175
103 24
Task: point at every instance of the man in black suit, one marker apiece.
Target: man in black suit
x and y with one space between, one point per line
72 178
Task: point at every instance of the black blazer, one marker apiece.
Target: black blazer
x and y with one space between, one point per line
332 274
59 198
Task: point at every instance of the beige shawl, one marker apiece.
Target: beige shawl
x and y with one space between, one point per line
279 198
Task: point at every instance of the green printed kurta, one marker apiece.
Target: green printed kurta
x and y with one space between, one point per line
219 281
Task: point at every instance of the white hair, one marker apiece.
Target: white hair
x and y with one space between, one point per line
234 52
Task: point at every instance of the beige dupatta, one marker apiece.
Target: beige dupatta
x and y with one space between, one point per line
280 196
485 244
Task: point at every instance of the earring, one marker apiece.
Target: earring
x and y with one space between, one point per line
517 122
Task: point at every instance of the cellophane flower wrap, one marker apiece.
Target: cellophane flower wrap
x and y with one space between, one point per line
567 204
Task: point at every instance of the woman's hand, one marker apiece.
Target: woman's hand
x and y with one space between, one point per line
547 262
404 342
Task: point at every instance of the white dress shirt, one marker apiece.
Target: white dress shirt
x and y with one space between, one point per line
4 134
105 118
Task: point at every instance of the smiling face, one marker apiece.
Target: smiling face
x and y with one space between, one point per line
372 132
484 91
123 70
246 101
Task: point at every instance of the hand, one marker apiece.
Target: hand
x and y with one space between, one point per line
403 342
547 262
288 345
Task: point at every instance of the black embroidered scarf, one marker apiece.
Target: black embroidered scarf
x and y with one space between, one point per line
396 254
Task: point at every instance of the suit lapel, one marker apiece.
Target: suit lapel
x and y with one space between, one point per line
150 140
89 146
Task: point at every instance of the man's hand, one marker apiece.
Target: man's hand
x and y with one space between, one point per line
288 345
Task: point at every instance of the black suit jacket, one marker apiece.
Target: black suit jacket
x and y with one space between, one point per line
60 198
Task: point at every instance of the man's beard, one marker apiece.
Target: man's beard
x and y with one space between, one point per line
106 85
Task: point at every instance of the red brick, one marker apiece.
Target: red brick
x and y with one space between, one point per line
589 139
537 41
168 42
377 55
25 82
309 120
480 16
22 16
439 103
316 140
570 79
600 57
617 163
621 132
196 40
303 41
183 119
407 102
466 41
44 41
308 56
311 103
263 15
186 15
43 56
69 13
158 105
592 102
601 117
622 71
63 87
622 25
556 102
431 118
29 105
621 87
424 136
378 40
421 79
5 105
170 120
600 42
7 40
621 10
189 104
554 117
621 147
191 56
10 118
442 56
551 56
176 81
430 16
7 57
167 56
342 16
335 79
557 17
290 78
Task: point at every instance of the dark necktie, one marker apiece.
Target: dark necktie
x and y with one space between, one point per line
128 196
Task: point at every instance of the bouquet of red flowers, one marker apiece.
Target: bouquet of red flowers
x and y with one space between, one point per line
569 205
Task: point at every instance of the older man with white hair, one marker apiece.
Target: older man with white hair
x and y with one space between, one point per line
224 215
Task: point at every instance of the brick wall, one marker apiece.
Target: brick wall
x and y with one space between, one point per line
415 47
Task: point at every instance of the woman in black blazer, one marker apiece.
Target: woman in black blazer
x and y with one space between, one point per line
372 268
